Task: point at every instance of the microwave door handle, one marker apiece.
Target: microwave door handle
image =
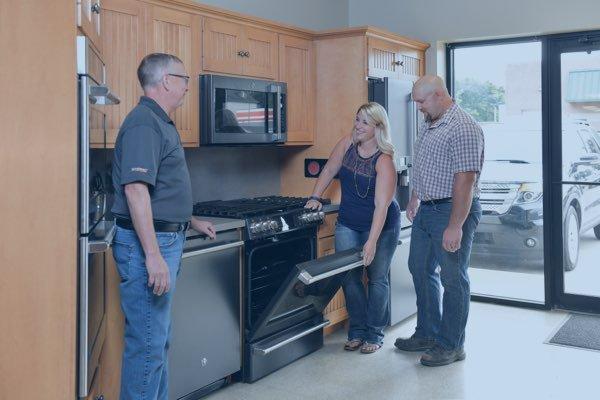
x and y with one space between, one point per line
277 90
308 279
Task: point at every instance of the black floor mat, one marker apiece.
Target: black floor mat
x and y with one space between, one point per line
581 331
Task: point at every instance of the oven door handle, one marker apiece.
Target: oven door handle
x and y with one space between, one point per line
306 278
102 245
213 249
263 352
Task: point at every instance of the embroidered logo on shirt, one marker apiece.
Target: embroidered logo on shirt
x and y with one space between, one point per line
139 169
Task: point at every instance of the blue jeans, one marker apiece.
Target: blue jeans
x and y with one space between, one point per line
445 324
147 316
369 310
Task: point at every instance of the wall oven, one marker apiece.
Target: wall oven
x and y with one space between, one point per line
238 111
95 233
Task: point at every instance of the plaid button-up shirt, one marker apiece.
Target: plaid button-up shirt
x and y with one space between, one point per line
454 143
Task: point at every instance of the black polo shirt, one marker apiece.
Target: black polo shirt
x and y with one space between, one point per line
149 150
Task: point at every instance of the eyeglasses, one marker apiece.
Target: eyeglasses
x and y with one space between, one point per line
185 77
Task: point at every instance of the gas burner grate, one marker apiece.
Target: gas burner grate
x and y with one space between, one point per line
251 207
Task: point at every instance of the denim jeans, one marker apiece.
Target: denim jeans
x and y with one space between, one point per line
369 310
144 372
445 324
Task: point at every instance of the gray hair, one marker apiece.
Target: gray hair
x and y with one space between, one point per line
153 66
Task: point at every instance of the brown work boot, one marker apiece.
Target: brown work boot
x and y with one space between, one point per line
414 343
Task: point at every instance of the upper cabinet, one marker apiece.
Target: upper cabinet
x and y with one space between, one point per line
123 41
394 60
178 33
232 48
88 20
297 69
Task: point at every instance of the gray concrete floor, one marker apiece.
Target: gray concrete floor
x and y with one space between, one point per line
506 359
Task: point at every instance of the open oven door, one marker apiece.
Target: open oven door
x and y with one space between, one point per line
292 323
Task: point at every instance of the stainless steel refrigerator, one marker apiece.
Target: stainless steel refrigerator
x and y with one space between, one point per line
395 96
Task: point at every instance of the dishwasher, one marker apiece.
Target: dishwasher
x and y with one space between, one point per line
205 347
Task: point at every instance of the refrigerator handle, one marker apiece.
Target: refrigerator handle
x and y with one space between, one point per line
414 124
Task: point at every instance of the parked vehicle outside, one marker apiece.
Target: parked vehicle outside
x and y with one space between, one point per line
510 234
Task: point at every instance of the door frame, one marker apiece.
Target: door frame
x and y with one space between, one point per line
555 46
548 278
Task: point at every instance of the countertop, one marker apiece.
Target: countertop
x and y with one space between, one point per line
221 224
329 208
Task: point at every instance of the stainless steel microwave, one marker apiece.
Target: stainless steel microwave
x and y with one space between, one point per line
237 111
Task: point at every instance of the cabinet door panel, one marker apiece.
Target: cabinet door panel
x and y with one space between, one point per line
296 68
171 31
383 59
261 60
123 42
222 42
88 19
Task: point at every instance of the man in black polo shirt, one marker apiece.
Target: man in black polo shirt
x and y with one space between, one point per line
153 208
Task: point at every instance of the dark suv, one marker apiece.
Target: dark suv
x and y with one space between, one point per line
510 233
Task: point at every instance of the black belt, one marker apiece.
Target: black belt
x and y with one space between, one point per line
159 226
436 201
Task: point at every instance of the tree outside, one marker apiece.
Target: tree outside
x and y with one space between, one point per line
480 99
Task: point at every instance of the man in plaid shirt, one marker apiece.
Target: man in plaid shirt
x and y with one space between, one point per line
445 210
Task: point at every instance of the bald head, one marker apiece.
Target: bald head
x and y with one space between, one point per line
431 96
429 84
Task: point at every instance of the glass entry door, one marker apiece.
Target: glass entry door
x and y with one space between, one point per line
574 122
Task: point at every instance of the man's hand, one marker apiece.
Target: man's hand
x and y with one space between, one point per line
369 252
158 274
411 208
204 227
452 238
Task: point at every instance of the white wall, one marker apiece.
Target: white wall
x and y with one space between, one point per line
311 14
439 21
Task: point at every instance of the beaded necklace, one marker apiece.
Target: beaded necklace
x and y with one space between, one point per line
370 174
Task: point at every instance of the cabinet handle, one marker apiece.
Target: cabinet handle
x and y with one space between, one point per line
246 54
398 63
240 53
96 9
101 397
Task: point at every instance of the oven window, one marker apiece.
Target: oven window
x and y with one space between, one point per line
269 266
244 111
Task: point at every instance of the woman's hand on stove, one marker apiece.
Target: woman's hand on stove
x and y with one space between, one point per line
313 204
369 252
204 227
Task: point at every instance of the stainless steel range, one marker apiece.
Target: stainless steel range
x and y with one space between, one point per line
285 288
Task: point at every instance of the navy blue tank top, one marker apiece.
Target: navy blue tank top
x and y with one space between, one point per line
357 178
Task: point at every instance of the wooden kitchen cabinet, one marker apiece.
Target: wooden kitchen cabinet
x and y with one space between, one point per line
297 69
124 44
178 33
233 48
394 60
89 20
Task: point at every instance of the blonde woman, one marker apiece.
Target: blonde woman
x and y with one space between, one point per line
369 216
